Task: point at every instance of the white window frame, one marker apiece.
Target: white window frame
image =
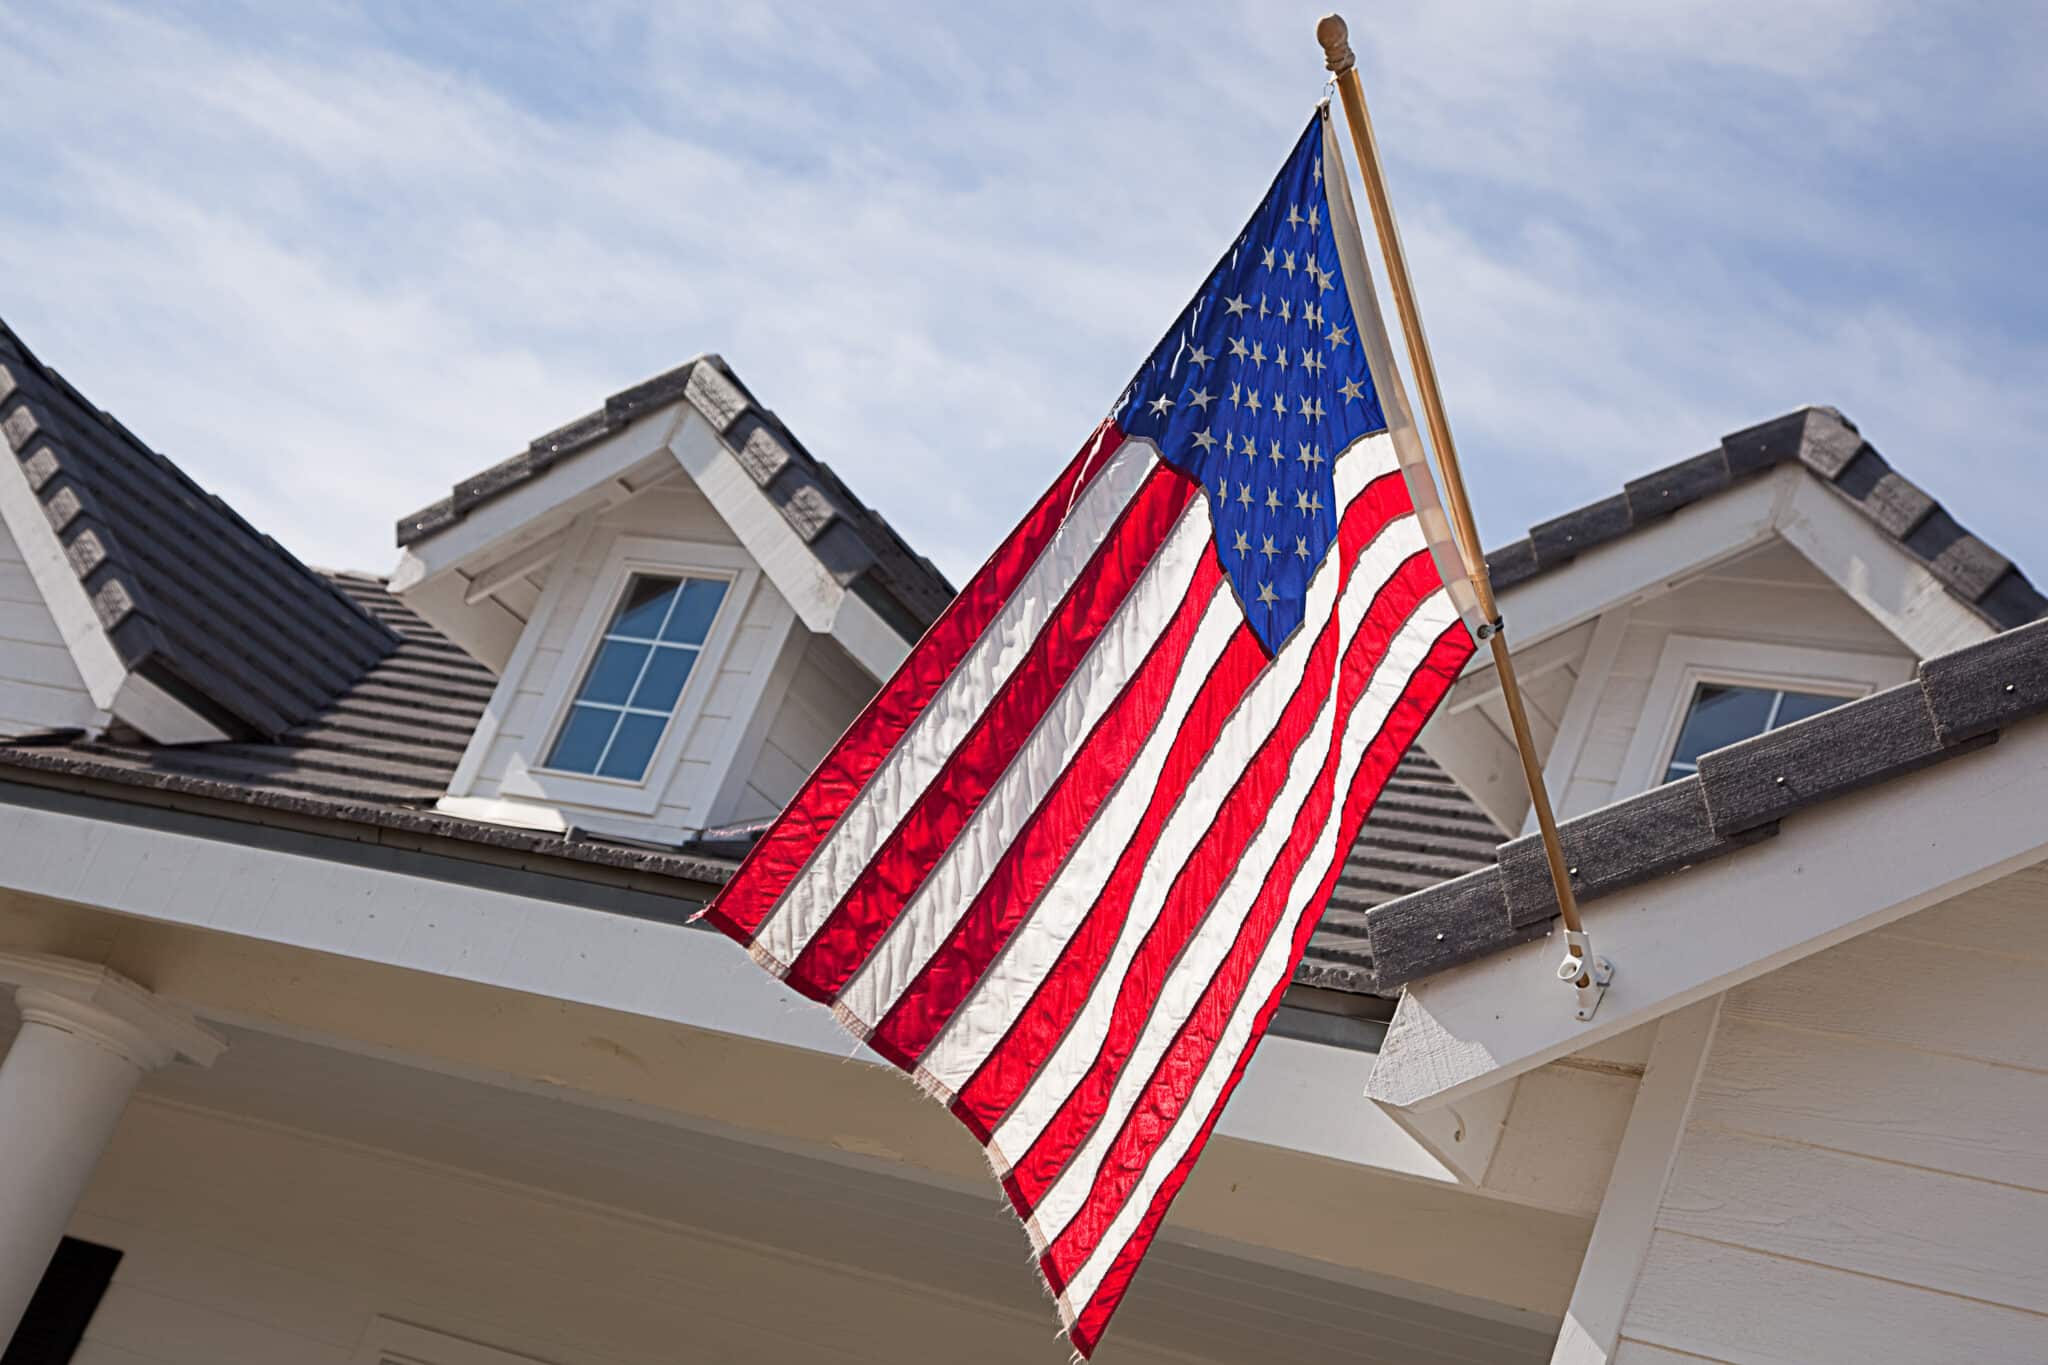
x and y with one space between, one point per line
388 1341
630 556
1689 660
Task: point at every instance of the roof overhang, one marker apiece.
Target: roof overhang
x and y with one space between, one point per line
125 692
510 522
1859 861
1791 502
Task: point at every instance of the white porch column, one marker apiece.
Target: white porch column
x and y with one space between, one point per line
87 1035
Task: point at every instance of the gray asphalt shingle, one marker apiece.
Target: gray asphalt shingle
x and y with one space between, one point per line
191 597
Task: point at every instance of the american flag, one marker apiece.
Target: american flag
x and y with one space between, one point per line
1063 866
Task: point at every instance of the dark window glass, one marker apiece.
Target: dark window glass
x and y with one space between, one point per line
1722 714
631 688
54 1322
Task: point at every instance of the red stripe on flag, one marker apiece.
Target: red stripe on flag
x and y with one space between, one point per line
1037 1031
929 827
1041 846
747 899
1034 1033
1438 671
1215 860
1180 1067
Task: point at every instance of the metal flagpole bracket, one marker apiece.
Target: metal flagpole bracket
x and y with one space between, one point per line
1588 974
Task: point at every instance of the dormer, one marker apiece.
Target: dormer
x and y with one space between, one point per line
1784 572
682 607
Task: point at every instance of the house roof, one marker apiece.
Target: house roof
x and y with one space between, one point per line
193 598
852 541
383 751
1956 704
1429 881
377 757
1828 446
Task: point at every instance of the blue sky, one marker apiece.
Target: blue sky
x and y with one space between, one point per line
332 259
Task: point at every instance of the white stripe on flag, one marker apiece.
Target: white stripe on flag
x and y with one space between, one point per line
1007 988
1240 739
921 754
930 915
1389 684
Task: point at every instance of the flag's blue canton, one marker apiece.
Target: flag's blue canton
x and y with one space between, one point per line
1258 387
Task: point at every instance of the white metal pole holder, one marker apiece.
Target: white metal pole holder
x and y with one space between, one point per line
1584 972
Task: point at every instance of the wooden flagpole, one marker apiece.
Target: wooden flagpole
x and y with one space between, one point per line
1334 35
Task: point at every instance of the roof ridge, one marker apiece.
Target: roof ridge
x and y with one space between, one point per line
852 540
1830 447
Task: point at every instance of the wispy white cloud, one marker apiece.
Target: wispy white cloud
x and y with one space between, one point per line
333 260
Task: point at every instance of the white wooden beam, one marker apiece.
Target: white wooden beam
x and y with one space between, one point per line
1835 871
1588 689
1642 1169
107 679
513 567
530 510
1877 573
1691 539
820 602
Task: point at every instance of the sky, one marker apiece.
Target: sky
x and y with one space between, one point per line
332 259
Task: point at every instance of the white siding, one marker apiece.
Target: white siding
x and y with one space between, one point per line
39 684
246 1244
1771 595
826 692
1864 1176
823 695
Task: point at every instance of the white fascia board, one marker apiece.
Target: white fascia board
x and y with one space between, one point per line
107 679
1878 573
821 603
519 516
1298 1096
1648 560
1838 870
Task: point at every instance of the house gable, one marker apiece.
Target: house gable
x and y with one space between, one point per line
764 702
683 476
1793 538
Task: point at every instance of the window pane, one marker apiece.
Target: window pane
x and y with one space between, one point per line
692 619
633 746
582 739
640 615
613 672
1800 705
1721 716
663 681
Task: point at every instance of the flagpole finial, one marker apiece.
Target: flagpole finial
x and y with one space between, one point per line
1335 36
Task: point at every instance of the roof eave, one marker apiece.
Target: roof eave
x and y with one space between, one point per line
1872 822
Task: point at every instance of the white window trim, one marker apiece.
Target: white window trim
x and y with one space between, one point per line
388 1341
629 555
1689 660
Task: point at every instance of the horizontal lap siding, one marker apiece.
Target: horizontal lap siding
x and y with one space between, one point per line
39 685
666 512
828 691
247 1244
1864 1176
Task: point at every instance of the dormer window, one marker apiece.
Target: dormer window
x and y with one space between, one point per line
1708 692
1727 713
629 691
